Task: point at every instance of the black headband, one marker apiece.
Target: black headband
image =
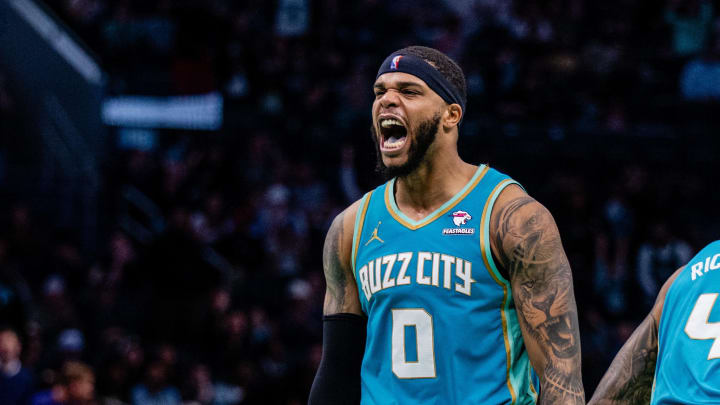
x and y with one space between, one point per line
417 67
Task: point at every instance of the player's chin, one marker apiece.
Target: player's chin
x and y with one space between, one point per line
394 160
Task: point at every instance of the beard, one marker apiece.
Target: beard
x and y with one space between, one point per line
424 137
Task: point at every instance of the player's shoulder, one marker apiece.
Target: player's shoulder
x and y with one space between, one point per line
515 213
505 188
496 176
338 240
349 214
510 193
513 203
344 222
711 249
707 259
657 309
342 229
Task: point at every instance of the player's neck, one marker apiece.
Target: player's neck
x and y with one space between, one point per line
432 184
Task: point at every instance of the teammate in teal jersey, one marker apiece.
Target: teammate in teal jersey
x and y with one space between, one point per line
448 284
673 357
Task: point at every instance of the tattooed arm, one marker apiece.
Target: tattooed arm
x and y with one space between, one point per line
341 295
629 379
338 377
526 242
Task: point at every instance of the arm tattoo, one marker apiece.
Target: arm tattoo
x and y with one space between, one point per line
541 280
629 379
335 272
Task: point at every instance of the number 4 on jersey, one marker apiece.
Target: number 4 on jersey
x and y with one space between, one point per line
698 327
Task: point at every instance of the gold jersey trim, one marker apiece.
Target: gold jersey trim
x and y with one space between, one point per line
413 225
357 231
485 250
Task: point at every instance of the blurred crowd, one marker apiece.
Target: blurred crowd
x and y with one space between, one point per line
564 66
208 285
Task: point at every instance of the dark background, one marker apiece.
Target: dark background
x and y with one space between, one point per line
202 277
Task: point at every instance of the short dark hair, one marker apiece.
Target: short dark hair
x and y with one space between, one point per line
7 328
446 66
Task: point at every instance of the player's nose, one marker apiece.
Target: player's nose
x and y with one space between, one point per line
389 99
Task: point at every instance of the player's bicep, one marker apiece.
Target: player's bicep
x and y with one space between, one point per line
341 293
531 252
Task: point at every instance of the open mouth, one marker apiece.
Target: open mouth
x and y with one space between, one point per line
393 134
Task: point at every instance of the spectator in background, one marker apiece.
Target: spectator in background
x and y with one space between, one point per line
70 344
348 176
690 22
122 364
292 17
308 191
232 340
610 277
16 382
211 224
199 386
156 390
204 390
79 382
284 228
612 250
76 386
57 309
658 258
700 78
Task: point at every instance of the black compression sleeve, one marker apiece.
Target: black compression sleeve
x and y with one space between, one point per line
337 381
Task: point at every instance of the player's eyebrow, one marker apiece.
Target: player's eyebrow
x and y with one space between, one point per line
400 85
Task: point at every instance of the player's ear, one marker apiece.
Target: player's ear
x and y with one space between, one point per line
452 116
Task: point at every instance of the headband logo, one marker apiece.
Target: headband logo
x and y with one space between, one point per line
395 61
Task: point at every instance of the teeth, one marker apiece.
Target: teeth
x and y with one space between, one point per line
394 143
387 123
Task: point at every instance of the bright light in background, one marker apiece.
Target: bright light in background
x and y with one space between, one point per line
203 112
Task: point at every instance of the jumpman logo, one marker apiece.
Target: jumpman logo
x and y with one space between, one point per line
374 235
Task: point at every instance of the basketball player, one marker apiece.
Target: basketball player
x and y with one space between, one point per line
462 276
681 334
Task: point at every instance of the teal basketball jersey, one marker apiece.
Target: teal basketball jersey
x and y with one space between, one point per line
442 326
688 362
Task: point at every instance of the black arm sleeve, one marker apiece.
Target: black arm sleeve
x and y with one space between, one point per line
337 381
